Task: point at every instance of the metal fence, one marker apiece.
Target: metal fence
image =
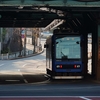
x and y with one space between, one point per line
21 54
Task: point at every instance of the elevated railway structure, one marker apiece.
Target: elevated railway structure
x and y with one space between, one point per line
81 16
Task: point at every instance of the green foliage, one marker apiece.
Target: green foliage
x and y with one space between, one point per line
4 31
5 51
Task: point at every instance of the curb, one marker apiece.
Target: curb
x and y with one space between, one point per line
27 56
96 81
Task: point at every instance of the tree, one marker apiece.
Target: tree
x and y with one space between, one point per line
35 34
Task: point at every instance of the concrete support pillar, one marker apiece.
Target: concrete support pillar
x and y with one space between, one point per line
94 50
83 31
98 56
85 55
96 53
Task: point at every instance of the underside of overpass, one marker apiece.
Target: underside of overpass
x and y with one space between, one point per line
81 16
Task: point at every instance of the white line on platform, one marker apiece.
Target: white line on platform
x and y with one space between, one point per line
85 98
50 97
24 65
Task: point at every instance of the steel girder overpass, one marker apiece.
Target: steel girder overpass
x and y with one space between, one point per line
40 13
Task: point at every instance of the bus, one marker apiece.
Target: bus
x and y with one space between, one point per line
64 55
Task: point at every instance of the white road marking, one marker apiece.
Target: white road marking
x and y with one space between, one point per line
22 74
24 65
1 64
25 81
85 98
19 70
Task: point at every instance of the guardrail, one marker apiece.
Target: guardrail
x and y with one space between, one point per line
20 54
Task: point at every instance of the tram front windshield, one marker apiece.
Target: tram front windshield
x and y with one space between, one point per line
68 48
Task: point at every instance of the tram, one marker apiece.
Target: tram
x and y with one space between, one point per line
64 55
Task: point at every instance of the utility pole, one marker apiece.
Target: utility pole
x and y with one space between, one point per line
0 40
33 40
25 43
21 44
39 36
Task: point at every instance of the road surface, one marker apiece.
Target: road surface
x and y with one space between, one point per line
24 71
51 98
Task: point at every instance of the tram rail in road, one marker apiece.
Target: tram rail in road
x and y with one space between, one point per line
50 98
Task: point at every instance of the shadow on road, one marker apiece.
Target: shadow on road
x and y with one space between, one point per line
25 79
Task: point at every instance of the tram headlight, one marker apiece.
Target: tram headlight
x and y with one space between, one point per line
77 66
59 66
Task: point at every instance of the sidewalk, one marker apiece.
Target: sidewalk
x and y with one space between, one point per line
15 55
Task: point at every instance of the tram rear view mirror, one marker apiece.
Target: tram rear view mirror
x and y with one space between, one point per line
46 45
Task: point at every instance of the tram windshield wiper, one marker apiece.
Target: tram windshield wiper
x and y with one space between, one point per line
77 42
64 57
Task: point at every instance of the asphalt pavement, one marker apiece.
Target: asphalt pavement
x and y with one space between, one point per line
24 79
9 74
